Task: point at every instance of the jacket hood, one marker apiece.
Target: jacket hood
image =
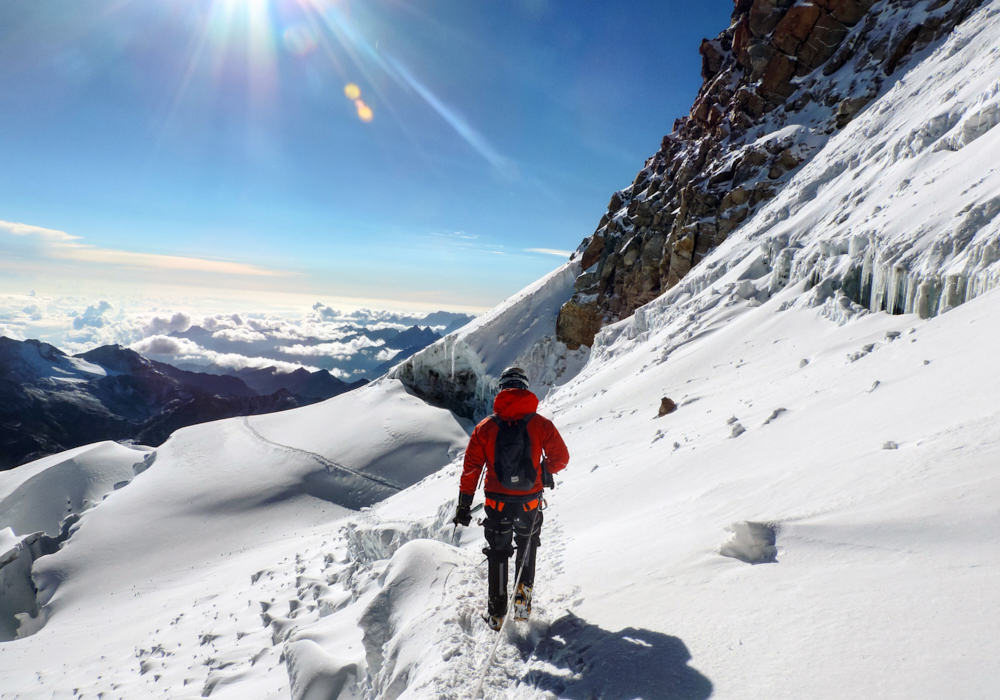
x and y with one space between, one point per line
514 404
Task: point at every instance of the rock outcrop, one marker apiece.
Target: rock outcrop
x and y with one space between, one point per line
778 82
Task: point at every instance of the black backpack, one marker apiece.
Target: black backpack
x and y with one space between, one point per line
512 454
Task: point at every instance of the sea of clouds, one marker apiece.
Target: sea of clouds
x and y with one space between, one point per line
350 344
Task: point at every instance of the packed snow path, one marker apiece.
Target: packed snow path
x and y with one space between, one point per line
329 464
418 601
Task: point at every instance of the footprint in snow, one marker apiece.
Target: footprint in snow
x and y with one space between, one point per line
752 543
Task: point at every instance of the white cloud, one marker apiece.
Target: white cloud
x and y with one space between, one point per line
125 258
76 324
164 345
61 245
186 350
93 317
12 333
550 251
240 335
28 230
347 349
387 354
221 321
178 323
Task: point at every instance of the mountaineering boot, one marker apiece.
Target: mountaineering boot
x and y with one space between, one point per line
496 612
522 603
494 621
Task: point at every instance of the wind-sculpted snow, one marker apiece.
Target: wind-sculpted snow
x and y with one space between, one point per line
214 574
40 504
69 484
211 489
462 370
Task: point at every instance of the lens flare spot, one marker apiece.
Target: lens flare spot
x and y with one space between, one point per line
352 91
300 40
365 113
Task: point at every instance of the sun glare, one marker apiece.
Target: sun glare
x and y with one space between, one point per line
300 39
258 31
365 113
353 93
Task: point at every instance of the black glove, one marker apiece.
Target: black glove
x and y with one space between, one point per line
548 481
463 513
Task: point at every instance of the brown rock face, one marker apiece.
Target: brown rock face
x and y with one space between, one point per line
777 58
795 27
667 406
849 12
578 319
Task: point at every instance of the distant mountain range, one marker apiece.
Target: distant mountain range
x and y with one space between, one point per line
311 385
373 350
50 401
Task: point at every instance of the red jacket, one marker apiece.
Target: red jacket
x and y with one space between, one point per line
512 404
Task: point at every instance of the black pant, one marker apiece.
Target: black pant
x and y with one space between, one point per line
507 524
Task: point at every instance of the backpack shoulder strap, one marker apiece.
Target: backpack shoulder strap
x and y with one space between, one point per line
527 419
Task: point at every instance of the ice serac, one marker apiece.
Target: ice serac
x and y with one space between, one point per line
461 371
778 83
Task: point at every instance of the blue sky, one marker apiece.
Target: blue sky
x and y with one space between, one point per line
211 145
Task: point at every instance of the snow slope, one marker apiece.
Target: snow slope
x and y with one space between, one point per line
216 505
818 519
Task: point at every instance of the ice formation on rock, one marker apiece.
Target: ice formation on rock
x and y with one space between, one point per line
462 370
779 84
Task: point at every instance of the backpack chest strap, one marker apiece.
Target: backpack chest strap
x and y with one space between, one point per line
500 421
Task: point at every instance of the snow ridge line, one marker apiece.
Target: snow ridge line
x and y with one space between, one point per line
329 464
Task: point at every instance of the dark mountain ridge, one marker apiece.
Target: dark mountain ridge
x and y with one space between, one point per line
50 401
302 382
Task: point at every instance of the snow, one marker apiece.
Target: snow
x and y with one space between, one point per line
394 435
818 518
462 370
48 363
71 485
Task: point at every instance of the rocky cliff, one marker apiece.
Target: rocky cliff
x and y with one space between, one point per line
778 82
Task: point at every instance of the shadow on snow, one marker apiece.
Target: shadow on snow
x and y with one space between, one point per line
583 662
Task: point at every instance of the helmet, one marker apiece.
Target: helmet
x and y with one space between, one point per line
513 378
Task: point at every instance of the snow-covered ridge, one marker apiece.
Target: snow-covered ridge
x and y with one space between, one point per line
462 370
210 483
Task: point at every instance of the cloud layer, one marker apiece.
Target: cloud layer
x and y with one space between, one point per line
347 343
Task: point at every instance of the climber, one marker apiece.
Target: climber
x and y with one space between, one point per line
520 450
